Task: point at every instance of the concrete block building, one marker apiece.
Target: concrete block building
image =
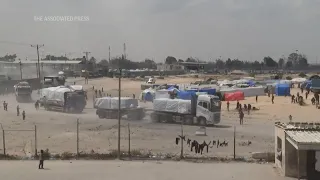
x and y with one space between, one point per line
297 147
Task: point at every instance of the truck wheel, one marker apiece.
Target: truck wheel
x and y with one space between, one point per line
101 116
154 118
202 121
188 120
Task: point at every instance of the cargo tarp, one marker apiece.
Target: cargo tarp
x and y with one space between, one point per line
112 102
54 93
234 96
172 105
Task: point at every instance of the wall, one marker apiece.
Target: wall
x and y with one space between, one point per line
279 132
291 161
170 67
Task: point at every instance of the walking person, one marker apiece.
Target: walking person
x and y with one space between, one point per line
241 115
272 99
256 99
228 105
4 105
293 99
307 95
18 110
249 108
41 159
23 115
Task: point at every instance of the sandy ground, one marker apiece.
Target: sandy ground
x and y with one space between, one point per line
135 170
57 131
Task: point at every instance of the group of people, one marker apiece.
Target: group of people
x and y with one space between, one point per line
23 113
5 107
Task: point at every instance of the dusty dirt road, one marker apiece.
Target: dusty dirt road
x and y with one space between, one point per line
136 170
57 131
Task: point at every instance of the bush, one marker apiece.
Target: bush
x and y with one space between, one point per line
288 78
252 74
302 75
66 156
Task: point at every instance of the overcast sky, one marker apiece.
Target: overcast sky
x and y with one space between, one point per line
207 29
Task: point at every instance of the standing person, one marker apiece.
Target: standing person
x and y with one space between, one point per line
41 160
133 96
245 107
100 94
4 105
23 115
306 95
18 110
256 99
301 90
36 105
228 105
249 108
272 99
238 105
293 99
102 89
268 93
241 115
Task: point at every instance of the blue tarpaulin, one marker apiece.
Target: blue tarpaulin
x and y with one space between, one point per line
282 89
186 95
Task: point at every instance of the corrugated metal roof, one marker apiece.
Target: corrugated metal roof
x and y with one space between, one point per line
305 137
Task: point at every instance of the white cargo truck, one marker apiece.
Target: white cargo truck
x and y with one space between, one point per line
202 110
107 107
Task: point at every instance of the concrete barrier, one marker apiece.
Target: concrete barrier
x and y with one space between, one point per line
267 156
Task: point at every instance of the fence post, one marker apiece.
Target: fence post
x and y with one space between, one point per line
129 150
35 141
234 143
4 142
78 138
181 154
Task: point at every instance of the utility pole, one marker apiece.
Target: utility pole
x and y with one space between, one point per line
124 51
119 107
38 46
109 55
20 69
86 66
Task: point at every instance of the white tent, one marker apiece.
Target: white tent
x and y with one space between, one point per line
298 80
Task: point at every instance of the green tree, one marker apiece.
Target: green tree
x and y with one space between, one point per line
281 63
171 60
269 62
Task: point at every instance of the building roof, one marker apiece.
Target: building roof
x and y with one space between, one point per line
298 126
193 63
44 62
305 137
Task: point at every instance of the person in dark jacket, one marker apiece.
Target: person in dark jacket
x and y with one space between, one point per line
23 115
41 159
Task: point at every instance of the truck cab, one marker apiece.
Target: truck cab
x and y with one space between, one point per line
208 110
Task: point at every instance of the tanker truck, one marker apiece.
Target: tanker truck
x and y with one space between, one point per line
23 92
201 110
63 99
